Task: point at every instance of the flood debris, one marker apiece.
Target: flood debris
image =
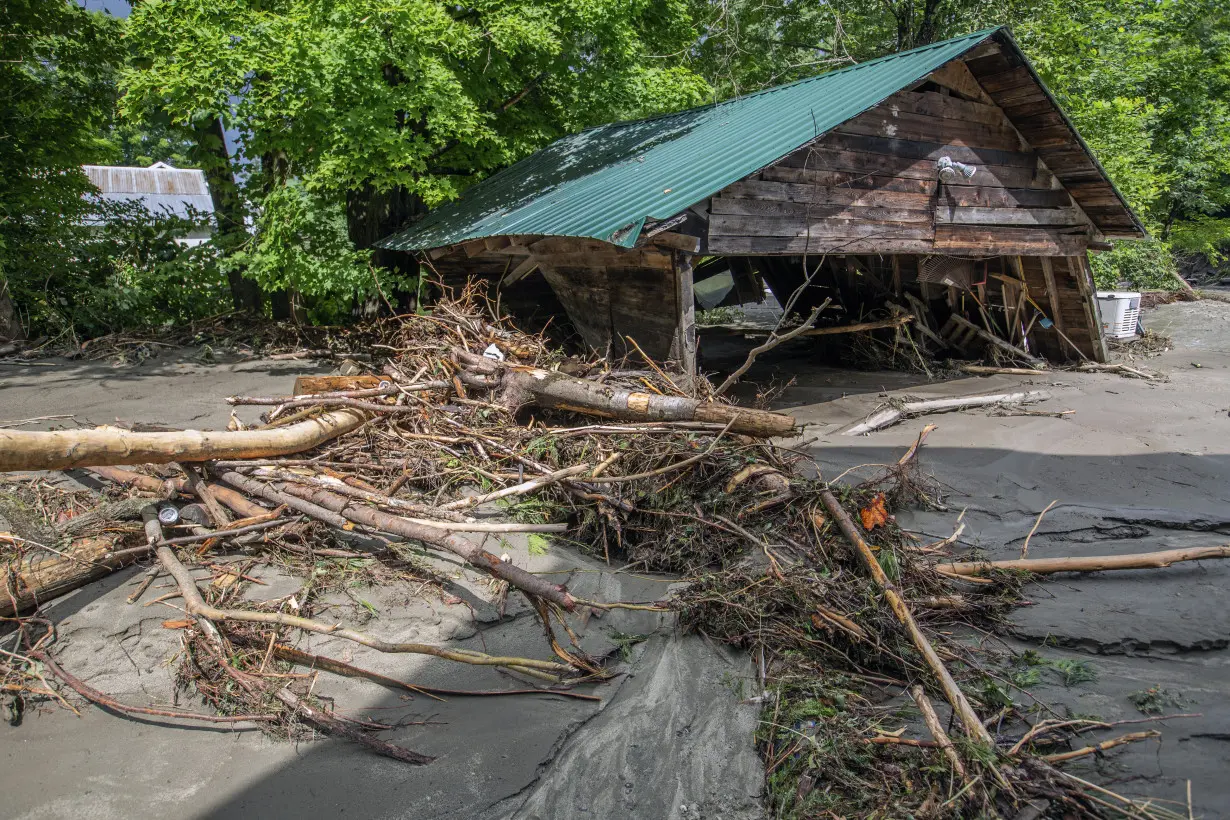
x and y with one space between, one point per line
439 447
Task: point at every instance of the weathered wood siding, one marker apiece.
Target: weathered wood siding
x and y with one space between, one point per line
871 186
1011 86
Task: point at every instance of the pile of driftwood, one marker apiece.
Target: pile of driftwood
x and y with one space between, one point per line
468 427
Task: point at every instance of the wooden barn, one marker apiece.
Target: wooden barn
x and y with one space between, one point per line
942 187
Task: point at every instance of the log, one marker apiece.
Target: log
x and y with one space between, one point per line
891 415
1094 563
38 580
543 388
108 446
983 370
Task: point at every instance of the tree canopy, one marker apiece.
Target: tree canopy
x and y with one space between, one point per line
352 117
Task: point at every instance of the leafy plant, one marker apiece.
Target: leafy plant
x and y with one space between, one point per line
1155 699
1143 265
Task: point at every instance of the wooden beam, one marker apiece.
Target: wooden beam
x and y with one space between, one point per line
685 333
527 266
676 241
991 338
1052 293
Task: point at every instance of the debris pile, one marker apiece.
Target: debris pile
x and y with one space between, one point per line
468 429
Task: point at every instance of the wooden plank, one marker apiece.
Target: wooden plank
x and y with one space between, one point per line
311 385
524 269
570 244
956 215
676 241
919 127
819 159
766 207
1052 292
743 225
850 179
797 192
647 257
1004 241
956 76
922 149
474 247
793 246
685 307
739 225
994 197
1078 266
948 108
1013 78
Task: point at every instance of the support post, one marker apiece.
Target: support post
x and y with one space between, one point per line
685 299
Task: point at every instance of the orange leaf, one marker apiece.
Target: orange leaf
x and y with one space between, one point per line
874 515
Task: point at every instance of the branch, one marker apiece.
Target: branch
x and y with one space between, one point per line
773 341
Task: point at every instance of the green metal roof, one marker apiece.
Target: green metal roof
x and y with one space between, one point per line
605 182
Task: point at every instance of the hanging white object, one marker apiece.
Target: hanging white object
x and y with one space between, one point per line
951 171
493 352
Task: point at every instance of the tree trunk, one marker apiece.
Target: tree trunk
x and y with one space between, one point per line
229 210
106 446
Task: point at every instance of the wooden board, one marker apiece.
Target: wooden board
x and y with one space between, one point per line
997 241
765 207
740 225
956 215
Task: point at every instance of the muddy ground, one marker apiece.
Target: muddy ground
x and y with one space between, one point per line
1139 466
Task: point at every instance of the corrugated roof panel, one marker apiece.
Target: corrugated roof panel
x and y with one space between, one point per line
604 180
157 179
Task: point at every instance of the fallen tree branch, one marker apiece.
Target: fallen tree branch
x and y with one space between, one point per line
961 707
99 699
1037 523
195 605
1093 563
108 446
226 495
773 341
337 510
301 658
891 415
1105 745
325 398
554 390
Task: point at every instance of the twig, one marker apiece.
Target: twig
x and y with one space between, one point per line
1093 563
1025 546
195 605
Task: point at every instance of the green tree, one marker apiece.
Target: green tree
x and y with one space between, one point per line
57 96
378 111
1148 85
